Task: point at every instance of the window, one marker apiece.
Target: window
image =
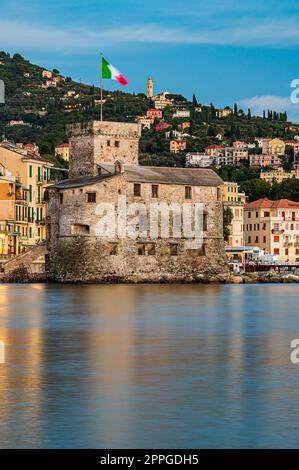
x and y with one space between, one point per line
256 214
155 190
256 239
91 197
205 222
116 143
141 249
113 249
79 229
30 193
287 252
266 214
137 189
30 171
61 198
249 239
249 215
264 239
202 251
174 249
151 249
108 143
146 249
188 192
276 251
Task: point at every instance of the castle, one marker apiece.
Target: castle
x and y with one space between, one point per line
94 234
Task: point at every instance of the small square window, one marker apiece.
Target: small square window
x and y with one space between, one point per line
116 143
91 197
113 249
151 249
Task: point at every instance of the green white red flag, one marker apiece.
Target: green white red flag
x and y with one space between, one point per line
110 72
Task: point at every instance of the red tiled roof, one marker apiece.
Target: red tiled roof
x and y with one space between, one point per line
268 204
63 146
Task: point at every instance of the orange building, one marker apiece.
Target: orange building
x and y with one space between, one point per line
177 146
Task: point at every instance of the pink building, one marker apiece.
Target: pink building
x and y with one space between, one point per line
162 127
239 144
264 160
154 113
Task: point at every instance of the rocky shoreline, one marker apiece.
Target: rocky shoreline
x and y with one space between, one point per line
269 277
21 276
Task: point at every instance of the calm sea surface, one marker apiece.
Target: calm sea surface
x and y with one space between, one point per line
149 366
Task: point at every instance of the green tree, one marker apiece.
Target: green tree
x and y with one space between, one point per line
227 220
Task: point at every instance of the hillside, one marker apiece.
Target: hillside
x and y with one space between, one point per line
44 111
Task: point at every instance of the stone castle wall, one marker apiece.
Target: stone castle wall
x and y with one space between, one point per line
87 258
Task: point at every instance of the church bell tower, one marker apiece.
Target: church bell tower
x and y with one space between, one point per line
150 87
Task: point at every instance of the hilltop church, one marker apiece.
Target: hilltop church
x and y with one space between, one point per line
105 173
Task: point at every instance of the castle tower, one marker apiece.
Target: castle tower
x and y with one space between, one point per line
97 142
150 87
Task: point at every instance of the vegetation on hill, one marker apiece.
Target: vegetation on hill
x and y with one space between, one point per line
46 111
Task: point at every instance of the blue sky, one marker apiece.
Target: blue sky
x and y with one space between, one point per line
224 51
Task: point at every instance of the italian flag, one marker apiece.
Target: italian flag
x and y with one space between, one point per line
108 71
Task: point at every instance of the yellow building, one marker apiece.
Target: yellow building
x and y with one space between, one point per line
63 151
279 175
235 200
31 174
277 147
273 226
145 122
150 87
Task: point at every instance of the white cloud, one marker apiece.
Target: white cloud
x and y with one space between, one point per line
267 33
258 104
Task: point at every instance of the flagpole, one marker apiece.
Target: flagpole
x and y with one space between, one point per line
101 87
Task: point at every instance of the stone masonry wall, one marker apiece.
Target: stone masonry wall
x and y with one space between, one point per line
102 142
86 258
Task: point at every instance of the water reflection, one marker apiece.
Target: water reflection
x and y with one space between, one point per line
148 366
